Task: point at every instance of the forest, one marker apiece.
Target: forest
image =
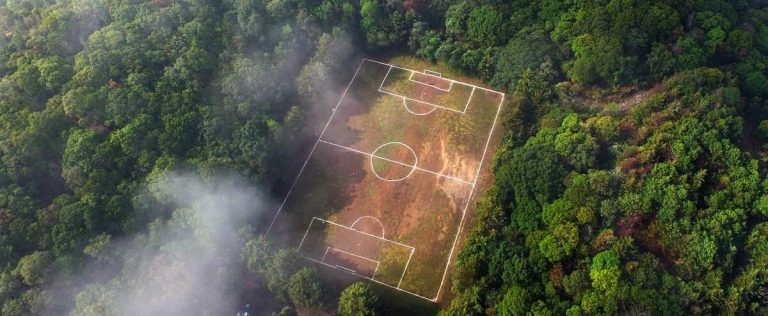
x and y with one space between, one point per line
630 177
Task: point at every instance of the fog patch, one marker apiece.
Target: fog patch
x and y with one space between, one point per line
186 264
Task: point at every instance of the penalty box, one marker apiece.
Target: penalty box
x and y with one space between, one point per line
426 89
393 170
355 251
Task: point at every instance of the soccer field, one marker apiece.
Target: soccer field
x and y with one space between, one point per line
388 184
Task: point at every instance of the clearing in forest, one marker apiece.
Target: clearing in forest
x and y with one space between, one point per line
386 187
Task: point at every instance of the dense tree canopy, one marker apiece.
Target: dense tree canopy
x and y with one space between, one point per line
358 299
630 174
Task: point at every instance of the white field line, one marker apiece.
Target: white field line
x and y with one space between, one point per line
381 87
304 166
469 199
325 254
354 255
456 81
405 104
371 279
345 268
419 101
351 254
450 83
374 218
385 77
305 235
413 167
466 106
406 269
362 232
433 73
473 184
398 162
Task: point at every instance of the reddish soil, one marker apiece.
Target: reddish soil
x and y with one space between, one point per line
626 98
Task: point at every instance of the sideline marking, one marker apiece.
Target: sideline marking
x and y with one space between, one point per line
304 166
469 199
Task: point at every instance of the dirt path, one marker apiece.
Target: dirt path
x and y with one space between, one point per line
626 98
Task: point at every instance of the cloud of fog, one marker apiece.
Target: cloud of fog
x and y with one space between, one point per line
264 76
188 264
291 56
298 73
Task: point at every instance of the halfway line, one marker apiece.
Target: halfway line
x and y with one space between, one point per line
397 162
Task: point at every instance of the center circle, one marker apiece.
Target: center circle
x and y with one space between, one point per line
393 161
